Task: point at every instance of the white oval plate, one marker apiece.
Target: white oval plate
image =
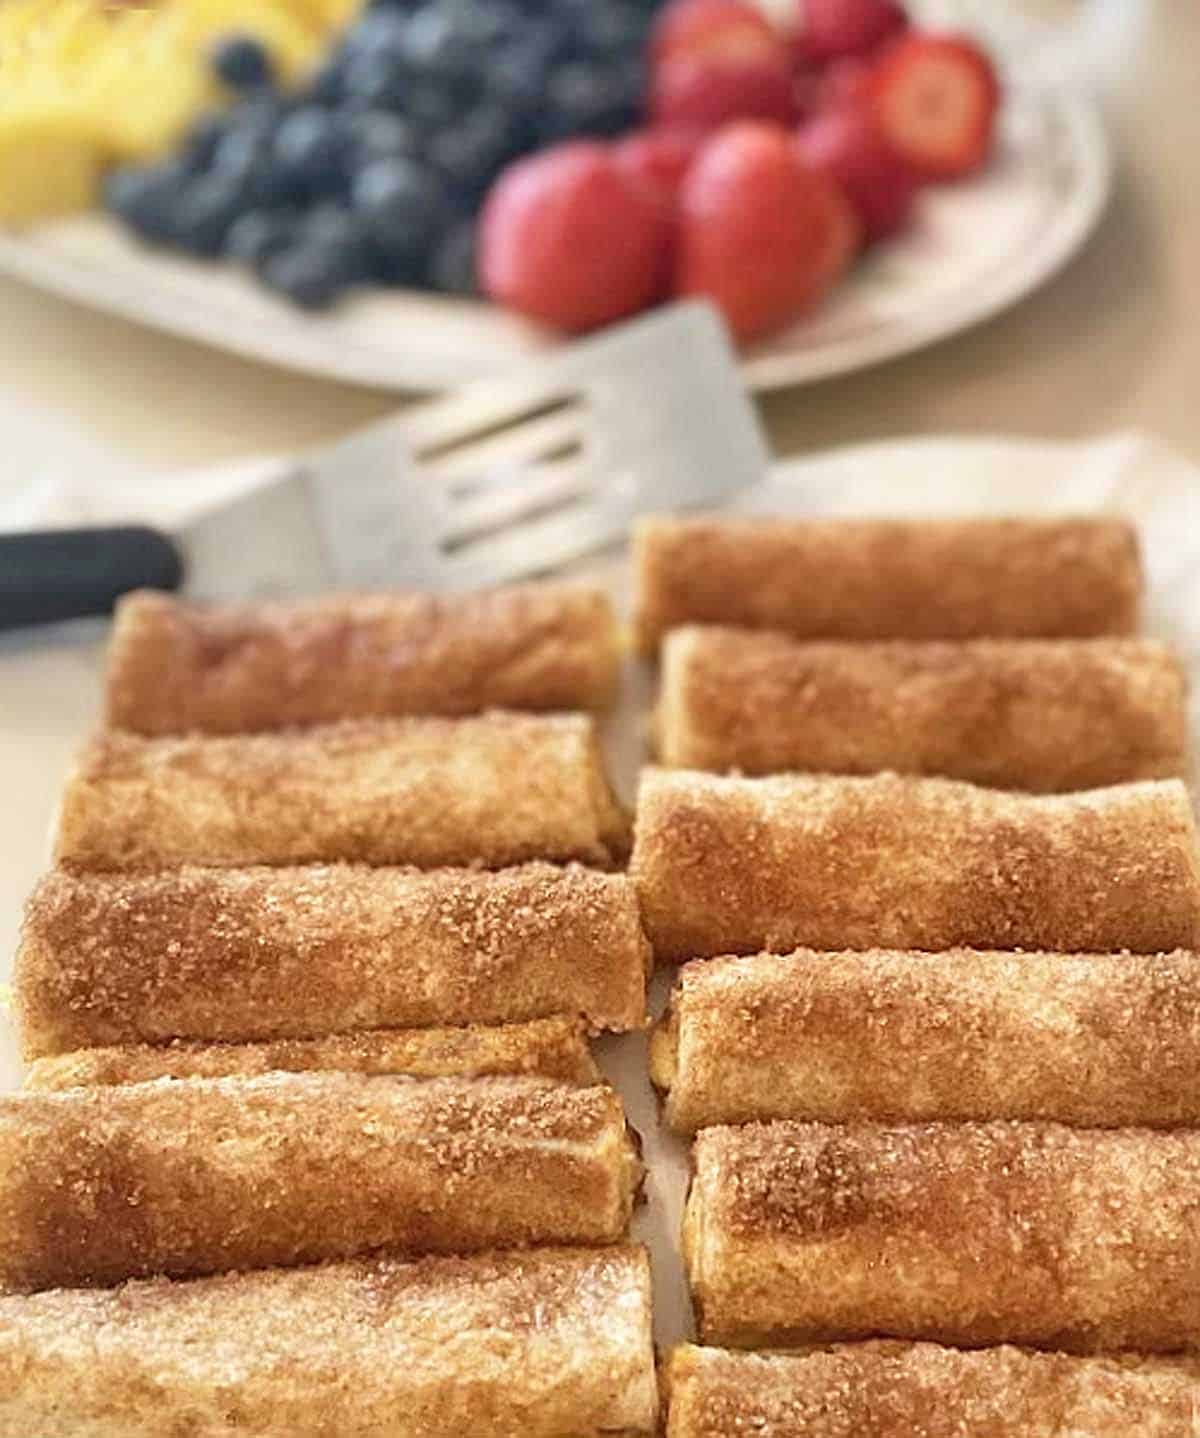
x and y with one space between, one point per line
974 249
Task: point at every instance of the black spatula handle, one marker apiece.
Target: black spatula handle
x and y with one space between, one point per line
58 574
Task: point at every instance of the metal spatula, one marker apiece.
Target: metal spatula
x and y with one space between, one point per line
501 479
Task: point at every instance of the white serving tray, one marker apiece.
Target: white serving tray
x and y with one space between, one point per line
49 686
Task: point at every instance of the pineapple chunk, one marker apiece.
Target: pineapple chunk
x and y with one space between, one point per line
46 168
85 83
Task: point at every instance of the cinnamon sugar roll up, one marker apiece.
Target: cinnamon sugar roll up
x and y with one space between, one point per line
1073 577
1099 1040
1083 1240
1045 716
918 1390
194 1176
493 790
261 955
731 865
554 1048
176 667
543 1344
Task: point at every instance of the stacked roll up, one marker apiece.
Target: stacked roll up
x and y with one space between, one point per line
297 997
938 1042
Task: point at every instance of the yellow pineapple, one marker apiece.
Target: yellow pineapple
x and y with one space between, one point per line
86 83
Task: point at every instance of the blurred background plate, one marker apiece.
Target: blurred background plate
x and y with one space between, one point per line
974 249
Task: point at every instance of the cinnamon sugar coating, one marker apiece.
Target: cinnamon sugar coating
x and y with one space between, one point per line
176 667
241 955
731 865
1072 577
541 1344
1040 715
918 1390
192 1176
494 790
554 1048
1084 1240
1086 1039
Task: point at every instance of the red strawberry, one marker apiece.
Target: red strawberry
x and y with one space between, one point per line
761 234
841 82
935 99
567 238
835 218
845 144
830 29
703 92
658 160
732 28
845 82
718 60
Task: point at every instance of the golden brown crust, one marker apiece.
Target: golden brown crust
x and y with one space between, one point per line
238 955
1041 715
1102 1040
509 1345
176 667
193 1176
1083 1240
494 790
554 1048
919 1390
730 865
887 578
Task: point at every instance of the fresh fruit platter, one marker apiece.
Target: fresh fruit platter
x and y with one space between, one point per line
571 161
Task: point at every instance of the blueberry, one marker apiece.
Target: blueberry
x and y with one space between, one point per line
377 80
518 74
207 208
435 45
551 32
403 206
380 135
397 266
433 106
245 155
539 12
470 155
257 114
345 238
201 141
147 198
313 146
452 268
257 235
242 62
380 32
608 32
248 133
327 84
239 151
306 275
590 100
481 25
